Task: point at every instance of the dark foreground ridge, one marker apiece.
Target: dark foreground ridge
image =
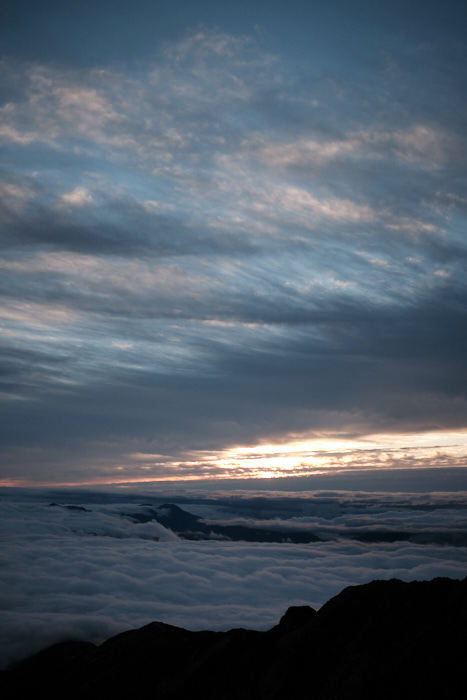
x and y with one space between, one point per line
385 639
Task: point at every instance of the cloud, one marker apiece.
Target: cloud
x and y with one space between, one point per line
307 151
90 574
84 108
14 194
430 518
421 144
416 145
76 198
301 204
192 393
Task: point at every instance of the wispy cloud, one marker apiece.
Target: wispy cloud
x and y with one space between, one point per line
76 198
219 247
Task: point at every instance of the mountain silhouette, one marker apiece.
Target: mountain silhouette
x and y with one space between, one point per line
192 527
386 640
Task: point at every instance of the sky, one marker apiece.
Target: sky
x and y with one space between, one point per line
232 239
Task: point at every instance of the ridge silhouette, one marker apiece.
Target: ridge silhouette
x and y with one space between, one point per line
385 640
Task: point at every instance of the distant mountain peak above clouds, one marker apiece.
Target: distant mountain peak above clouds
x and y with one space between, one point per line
176 517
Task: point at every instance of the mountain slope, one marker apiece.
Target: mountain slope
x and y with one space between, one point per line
385 640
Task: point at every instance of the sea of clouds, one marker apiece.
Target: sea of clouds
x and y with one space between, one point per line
91 571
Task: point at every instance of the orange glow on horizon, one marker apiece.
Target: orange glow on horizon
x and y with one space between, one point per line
300 456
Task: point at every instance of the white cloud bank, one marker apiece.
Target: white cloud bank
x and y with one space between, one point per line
71 574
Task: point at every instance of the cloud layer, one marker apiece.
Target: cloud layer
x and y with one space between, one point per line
90 571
